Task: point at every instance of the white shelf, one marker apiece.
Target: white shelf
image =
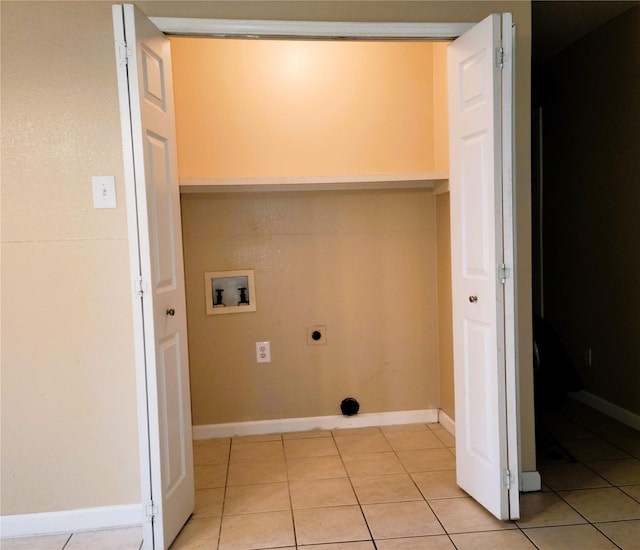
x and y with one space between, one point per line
322 183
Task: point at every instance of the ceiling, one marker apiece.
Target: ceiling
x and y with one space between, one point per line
558 23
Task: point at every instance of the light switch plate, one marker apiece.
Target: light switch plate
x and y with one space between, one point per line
104 191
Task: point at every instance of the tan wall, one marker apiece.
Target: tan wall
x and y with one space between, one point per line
269 108
68 394
445 321
591 141
69 423
440 108
360 263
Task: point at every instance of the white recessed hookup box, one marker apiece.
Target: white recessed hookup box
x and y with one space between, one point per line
230 291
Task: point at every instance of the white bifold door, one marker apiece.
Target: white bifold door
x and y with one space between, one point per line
480 103
148 128
480 124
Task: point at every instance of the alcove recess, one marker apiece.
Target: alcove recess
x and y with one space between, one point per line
367 118
273 115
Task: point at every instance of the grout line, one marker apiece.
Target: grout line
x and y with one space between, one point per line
355 494
607 536
224 491
286 474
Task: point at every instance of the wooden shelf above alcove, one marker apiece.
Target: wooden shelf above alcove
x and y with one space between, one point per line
432 180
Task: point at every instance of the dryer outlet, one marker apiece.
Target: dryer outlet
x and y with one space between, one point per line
317 335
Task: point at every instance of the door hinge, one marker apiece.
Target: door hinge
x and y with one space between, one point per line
138 286
503 274
499 58
124 53
150 510
507 479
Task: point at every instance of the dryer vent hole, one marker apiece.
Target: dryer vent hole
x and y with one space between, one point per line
349 406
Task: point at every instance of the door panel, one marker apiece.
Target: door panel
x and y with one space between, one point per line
157 214
172 418
476 191
477 247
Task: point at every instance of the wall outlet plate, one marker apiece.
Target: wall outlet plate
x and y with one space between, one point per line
317 335
263 352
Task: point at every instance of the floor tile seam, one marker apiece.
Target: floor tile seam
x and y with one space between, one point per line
450 533
255 483
606 536
587 489
367 453
224 494
637 499
522 531
318 479
596 523
293 521
251 461
557 493
585 465
571 522
437 517
420 499
339 435
621 459
615 459
448 498
66 543
364 517
445 534
583 515
254 512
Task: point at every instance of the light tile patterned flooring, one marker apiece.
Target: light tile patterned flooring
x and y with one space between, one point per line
393 488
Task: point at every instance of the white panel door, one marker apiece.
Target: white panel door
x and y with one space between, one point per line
154 171
486 450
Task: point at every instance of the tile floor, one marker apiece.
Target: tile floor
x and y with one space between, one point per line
393 488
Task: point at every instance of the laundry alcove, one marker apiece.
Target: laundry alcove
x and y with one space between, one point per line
322 166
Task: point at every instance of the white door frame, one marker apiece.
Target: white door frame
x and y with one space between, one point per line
273 29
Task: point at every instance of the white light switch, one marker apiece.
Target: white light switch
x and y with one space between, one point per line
104 191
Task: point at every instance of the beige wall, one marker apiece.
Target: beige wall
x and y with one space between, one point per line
360 263
69 423
445 321
68 394
440 108
591 113
273 108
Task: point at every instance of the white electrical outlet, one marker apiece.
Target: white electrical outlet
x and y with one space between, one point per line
263 352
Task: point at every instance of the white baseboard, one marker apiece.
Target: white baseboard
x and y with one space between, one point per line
607 408
447 422
530 482
71 521
284 425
